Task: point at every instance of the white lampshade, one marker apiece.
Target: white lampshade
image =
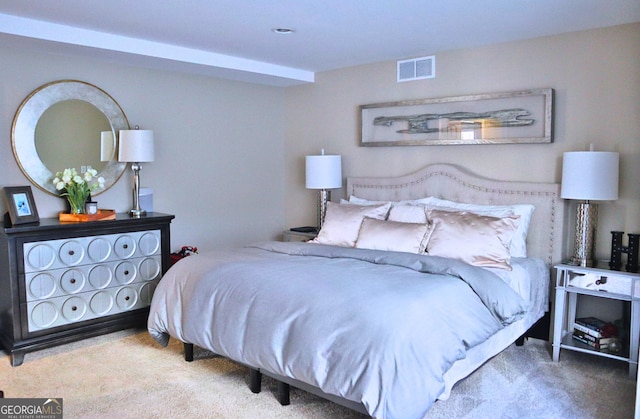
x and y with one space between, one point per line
323 172
107 145
136 146
590 175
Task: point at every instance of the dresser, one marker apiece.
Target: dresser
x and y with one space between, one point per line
61 282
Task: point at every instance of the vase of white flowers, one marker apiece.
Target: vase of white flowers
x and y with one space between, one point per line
77 188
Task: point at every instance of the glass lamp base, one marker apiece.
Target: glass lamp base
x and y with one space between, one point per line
586 222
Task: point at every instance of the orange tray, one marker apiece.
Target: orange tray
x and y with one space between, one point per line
103 214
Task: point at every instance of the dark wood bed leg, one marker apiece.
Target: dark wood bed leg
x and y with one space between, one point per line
188 352
520 341
255 380
283 393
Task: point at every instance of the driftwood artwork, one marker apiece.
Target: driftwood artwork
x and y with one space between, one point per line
420 124
478 119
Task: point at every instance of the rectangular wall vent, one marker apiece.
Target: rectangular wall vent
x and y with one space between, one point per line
417 68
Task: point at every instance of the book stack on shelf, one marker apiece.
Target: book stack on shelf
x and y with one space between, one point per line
598 334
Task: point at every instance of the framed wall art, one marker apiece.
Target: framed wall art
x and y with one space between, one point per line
494 118
20 204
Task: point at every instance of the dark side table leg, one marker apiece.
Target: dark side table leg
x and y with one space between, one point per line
255 380
188 352
283 393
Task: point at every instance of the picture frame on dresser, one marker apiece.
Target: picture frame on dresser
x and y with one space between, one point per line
21 205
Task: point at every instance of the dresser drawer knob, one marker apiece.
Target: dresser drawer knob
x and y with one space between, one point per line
127 298
72 280
126 272
125 246
74 308
71 253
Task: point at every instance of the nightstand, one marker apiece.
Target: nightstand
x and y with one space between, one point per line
290 235
604 283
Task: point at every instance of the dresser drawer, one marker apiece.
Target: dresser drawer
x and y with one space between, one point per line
617 283
67 281
63 310
61 253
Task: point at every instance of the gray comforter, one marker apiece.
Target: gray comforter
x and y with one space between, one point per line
377 328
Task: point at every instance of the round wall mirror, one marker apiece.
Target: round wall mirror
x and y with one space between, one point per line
64 124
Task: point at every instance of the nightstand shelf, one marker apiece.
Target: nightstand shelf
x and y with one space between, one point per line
572 281
568 342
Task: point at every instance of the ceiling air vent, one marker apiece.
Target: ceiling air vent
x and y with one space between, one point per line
417 68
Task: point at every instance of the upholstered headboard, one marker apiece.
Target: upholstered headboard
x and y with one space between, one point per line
545 237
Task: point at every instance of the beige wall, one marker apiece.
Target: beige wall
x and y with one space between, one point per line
596 77
219 145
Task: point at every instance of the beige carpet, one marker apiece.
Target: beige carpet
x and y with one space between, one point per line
127 375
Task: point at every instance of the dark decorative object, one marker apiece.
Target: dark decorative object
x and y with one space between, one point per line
617 249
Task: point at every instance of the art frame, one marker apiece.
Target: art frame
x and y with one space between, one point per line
524 116
21 205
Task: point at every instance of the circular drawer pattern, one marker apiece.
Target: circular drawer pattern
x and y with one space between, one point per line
100 276
71 253
74 309
40 256
99 249
42 286
126 298
125 247
125 272
150 269
72 281
43 315
149 244
101 303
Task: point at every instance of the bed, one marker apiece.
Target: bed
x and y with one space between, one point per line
372 322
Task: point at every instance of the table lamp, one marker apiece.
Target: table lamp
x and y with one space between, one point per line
588 176
136 146
323 172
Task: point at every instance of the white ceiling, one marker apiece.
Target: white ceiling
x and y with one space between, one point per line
233 38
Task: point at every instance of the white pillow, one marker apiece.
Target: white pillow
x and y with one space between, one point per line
362 201
518 246
393 236
408 214
342 222
479 240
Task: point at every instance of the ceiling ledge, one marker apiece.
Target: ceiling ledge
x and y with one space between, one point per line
150 54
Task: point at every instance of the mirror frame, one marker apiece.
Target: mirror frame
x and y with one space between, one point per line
23 141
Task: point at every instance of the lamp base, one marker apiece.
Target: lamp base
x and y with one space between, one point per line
586 223
324 196
137 213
